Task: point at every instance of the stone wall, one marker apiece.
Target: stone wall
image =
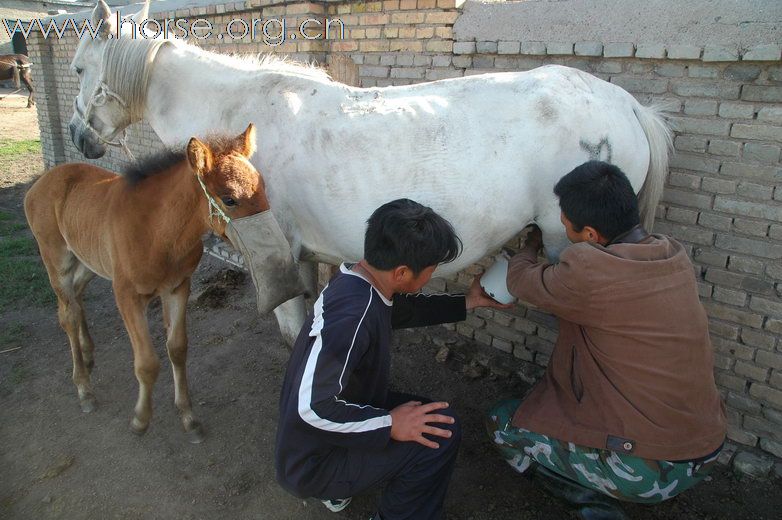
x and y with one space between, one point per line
723 197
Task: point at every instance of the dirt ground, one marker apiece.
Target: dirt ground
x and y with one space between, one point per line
17 122
58 463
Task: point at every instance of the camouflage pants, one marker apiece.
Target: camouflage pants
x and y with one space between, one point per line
618 475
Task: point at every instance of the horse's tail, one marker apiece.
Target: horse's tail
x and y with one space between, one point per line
660 145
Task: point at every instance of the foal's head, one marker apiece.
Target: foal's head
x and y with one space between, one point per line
230 179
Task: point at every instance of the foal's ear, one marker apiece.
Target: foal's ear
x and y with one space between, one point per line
199 156
101 18
247 141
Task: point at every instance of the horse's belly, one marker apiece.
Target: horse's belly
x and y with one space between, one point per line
93 264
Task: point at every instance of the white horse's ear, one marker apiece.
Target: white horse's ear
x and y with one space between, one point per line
101 17
199 156
248 141
143 14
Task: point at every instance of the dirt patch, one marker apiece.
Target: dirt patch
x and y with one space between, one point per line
58 463
18 122
218 288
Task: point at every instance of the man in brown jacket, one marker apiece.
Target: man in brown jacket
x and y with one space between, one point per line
628 407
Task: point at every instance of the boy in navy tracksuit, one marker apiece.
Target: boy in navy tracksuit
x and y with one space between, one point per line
341 431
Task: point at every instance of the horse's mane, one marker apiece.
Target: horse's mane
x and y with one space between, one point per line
153 164
268 62
165 159
263 61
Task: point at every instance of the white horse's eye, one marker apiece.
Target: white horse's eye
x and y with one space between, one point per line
78 71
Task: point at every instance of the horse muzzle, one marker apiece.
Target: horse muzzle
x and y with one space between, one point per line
85 140
267 255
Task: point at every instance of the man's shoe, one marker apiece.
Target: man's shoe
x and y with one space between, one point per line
335 505
591 504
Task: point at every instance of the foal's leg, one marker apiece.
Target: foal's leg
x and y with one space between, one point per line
132 306
174 316
62 266
81 278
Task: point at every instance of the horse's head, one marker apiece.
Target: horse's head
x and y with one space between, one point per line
230 181
102 109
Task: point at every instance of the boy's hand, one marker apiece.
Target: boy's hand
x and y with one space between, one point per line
411 420
534 238
477 297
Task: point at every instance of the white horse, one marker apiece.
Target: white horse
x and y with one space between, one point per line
483 151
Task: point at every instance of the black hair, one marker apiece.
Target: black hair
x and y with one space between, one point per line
404 232
163 160
599 195
153 164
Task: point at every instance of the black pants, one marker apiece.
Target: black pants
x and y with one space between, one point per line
415 477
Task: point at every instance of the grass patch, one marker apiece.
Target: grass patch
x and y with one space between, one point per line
11 334
24 279
8 226
9 148
18 374
18 246
26 283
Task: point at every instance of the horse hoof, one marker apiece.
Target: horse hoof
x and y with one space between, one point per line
138 428
88 404
196 434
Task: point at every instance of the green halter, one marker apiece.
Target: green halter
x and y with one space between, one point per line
214 209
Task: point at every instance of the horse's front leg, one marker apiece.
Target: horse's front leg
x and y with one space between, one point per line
132 307
292 314
174 315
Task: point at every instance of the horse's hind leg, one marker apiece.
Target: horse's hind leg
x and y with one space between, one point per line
554 236
174 315
132 306
81 278
62 266
28 82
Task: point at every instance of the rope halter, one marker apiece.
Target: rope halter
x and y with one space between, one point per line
214 209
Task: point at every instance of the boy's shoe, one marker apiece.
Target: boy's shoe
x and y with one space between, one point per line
335 505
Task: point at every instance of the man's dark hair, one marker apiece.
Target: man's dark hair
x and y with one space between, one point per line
599 195
403 232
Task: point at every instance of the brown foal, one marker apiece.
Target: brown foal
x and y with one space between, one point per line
143 234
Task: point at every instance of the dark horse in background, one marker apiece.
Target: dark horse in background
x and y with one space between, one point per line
17 67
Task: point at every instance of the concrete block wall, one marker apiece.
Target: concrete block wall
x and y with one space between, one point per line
723 196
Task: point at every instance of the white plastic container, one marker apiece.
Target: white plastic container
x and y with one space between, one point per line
494 281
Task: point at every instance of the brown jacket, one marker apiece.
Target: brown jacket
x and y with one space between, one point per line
632 369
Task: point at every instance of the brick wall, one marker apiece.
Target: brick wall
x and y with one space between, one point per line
723 197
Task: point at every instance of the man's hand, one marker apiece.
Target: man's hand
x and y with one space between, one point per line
534 238
477 297
411 420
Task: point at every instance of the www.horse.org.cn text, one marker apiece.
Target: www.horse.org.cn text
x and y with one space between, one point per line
271 31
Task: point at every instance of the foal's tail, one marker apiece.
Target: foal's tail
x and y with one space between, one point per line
660 145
